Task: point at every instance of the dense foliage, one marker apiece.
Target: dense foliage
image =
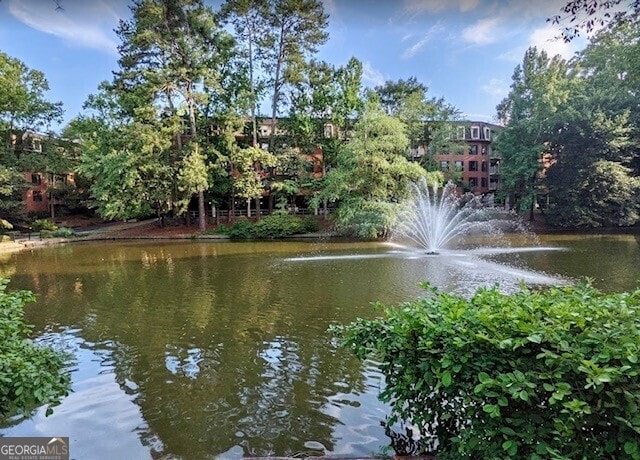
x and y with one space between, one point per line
30 374
277 225
570 132
534 374
373 174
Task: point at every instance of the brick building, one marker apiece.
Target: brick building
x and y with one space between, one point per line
476 166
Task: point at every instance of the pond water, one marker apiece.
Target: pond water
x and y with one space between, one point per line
204 350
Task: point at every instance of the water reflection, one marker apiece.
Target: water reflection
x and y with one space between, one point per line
194 350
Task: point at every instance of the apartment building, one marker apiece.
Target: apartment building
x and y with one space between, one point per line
476 165
42 195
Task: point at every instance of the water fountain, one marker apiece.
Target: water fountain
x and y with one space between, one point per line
431 219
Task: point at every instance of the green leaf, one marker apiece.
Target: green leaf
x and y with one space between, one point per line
446 379
507 444
508 431
631 447
535 338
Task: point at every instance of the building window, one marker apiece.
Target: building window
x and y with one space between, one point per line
328 130
37 195
473 149
473 166
473 181
484 166
459 166
444 166
36 179
484 150
487 134
483 182
475 132
461 132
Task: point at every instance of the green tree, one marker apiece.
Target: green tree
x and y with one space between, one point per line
427 119
12 185
170 57
22 97
128 167
372 174
249 19
595 161
539 91
23 108
324 105
297 29
247 164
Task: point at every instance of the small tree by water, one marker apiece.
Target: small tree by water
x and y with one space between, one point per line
535 374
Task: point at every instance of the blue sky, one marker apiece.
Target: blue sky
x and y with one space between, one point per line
463 50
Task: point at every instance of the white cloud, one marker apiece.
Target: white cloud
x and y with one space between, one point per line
87 24
433 6
371 75
496 88
483 32
546 38
426 38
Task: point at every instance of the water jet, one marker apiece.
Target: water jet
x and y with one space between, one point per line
430 219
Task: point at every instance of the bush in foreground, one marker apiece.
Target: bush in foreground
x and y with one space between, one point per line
535 374
30 375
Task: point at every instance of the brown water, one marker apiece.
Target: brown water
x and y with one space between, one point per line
205 350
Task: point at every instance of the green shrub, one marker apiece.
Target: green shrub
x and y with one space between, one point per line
46 234
30 375
221 230
277 225
309 225
535 374
241 230
365 218
44 224
63 232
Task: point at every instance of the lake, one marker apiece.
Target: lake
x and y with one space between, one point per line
217 349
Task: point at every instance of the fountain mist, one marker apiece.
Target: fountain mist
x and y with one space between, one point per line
431 220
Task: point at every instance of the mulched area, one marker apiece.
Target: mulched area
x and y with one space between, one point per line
155 229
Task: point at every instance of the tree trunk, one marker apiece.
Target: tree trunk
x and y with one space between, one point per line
276 91
202 218
232 212
258 208
254 127
325 204
202 213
